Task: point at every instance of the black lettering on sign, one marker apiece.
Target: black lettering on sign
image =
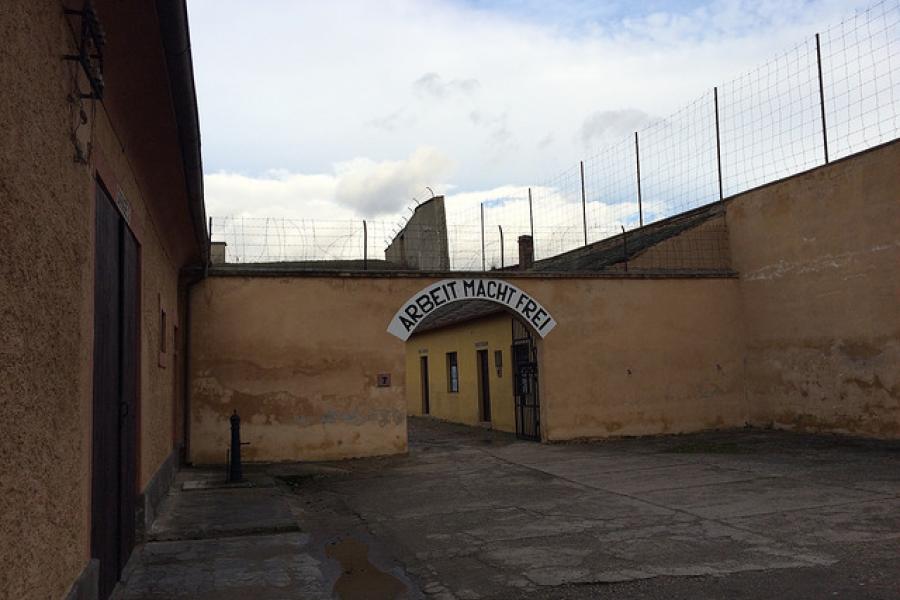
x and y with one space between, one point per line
425 303
452 286
501 292
413 312
434 296
547 322
540 314
481 292
530 307
468 288
407 323
522 298
492 294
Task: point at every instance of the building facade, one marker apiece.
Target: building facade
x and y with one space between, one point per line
463 372
101 197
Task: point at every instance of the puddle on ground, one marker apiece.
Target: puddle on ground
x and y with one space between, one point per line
360 579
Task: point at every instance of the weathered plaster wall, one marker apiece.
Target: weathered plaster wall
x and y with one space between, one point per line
46 309
491 333
47 274
641 356
298 358
819 258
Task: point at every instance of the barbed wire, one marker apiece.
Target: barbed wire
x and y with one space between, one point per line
829 96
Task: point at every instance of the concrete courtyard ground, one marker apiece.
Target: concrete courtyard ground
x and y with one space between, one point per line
471 513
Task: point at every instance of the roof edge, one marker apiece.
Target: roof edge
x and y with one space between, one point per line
176 39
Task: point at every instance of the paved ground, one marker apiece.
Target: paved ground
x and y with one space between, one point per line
476 514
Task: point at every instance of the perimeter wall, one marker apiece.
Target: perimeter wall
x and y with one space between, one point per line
819 262
807 336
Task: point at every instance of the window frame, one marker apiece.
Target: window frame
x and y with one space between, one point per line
452 373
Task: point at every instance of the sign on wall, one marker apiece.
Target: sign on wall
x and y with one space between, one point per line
429 299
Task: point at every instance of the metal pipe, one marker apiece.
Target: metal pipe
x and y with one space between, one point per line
365 246
822 97
583 204
625 247
637 157
718 141
502 263
235 473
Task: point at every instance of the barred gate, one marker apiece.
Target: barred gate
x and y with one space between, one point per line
525 385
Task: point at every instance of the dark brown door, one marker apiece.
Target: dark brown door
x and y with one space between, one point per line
115 393
484 385
423 371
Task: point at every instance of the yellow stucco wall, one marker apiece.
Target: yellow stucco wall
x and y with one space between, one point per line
47 274
641 356
299 359
807 336
819 257
490 333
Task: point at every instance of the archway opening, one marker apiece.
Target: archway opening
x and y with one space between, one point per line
475 358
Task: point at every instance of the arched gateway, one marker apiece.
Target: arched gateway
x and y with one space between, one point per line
430 298
530 318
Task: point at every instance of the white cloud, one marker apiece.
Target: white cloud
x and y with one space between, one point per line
354 189
431 84
604 126
480 103
380 188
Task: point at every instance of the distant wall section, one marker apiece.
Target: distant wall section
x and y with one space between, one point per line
422 244
819 262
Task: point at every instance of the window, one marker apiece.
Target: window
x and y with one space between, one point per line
452 373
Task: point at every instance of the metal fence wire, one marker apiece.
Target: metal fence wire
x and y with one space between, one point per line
833 94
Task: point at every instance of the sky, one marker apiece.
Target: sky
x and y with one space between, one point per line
348 110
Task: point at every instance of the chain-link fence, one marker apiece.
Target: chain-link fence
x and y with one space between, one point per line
832 95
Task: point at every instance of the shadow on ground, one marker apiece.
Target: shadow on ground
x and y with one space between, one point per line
472 513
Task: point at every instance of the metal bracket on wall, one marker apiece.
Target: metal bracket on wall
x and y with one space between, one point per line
90 44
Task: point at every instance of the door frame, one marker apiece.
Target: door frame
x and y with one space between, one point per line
483 372
424 383
124 417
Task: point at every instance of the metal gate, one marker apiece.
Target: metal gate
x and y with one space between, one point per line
115 393
525 385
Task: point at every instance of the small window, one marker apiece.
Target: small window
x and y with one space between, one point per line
452 373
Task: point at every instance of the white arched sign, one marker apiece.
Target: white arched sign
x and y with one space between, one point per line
446 291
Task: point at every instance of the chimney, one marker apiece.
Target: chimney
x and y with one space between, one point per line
526 252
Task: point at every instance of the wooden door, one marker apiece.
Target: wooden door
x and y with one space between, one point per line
115 393
484 385
423 372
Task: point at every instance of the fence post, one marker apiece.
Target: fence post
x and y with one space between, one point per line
365 246
502 263
718 141
483 264
531 219
637 158
583 204
625 246
822 97
530 215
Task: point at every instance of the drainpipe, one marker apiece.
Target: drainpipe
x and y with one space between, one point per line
193 280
